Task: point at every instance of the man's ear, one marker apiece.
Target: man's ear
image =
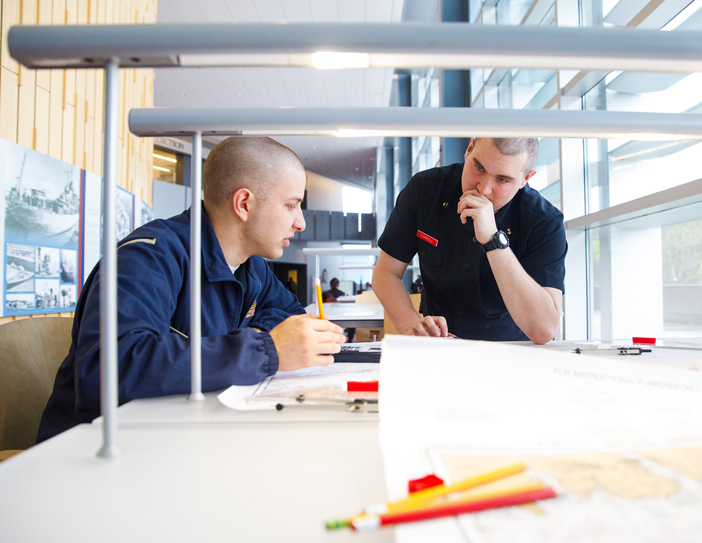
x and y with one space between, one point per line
242 201
471 144
528 176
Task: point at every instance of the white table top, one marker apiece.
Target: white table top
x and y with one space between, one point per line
198 471
351 314
273 482
179 410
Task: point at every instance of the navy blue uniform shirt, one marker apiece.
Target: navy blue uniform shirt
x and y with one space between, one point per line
154 323
458 281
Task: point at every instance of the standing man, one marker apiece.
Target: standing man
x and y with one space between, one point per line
491 249
251 325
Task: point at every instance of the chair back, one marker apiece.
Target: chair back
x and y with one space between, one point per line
367 297
31 351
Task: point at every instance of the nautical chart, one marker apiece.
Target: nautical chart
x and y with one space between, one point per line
611 497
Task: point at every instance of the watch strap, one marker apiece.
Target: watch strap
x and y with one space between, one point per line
495 243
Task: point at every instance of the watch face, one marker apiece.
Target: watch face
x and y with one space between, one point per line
502 238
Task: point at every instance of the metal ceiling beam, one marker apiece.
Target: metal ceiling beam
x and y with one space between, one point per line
400 121
398 45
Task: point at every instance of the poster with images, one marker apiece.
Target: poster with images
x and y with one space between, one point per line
142 213
129 212
91 223
124 213
40 221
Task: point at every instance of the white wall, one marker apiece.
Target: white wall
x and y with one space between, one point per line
324 193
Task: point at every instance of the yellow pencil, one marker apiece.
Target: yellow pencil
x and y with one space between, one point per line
320 305
442 490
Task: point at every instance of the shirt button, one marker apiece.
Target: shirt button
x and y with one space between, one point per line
423 253
466 266
475 240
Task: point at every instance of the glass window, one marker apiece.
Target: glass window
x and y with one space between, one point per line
646 278
682 279
619 170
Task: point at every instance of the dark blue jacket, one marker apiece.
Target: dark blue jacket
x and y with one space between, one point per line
154 324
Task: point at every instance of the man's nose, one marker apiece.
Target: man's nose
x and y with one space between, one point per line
299 222
485 188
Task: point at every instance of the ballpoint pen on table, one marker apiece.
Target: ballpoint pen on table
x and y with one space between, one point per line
613 350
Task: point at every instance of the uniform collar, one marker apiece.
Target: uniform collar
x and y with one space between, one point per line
213 261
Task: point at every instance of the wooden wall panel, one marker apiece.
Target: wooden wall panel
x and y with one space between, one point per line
10 16
44 17
26 107
56 113
80 120
9 102
41 120
61 112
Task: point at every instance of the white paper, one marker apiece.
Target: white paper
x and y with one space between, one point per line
486 399
284 386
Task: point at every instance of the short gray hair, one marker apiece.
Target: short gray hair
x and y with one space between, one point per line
240 162
517 146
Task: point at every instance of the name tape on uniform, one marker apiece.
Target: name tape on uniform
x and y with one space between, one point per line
427 238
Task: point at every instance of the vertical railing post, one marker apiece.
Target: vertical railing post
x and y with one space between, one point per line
195 269
109 388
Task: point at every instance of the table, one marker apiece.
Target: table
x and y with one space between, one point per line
351 315
190 482
197 471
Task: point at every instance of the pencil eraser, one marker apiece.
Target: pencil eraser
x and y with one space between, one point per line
362 386
644 340
429 481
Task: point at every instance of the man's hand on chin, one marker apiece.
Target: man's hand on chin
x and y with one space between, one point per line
477 207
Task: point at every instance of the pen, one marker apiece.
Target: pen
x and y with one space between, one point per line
615 350
320 305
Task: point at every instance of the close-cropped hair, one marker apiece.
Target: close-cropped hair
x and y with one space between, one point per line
517 146
238 162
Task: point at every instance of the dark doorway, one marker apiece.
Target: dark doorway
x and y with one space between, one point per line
293 277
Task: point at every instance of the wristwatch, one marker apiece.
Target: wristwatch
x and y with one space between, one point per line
498 241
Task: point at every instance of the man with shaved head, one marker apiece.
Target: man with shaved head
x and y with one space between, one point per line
491 249
251 325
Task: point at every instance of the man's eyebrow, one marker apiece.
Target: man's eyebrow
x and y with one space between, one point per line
296 198
498 175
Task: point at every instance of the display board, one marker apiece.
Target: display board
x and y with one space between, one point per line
50 226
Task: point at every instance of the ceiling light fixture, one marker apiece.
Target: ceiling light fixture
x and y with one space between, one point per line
323 60
159 168
406 45
169 159
410 122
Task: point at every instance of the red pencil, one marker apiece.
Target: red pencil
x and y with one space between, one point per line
372 522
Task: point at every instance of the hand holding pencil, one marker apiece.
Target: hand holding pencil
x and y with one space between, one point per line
304 340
